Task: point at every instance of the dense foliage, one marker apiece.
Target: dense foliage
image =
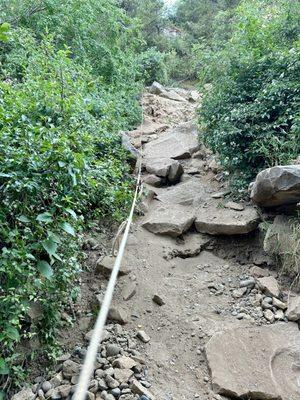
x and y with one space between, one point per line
68 85
251 114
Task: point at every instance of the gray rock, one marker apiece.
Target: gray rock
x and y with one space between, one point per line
112 350
139 389
105 266
277 186
165 168
219 221
153 180
279 304
248 283
179 143
70 368
269 315
189 193
293 311
255 362
24 394
172 220
156 88
158 300
143 336
111 382
46 386
116 392
123 375
128 290
234 206
269 285
124 362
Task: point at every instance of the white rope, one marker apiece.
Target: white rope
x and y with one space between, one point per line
88 366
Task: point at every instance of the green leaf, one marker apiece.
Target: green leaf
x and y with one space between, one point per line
45 269
2 393
3 368
12 333
68 228
71 212
23 218
44 217
50 246
54 237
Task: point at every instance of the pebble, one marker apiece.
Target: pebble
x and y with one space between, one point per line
158 300
268 314
247 283
142 335
116 392
46 386
112 350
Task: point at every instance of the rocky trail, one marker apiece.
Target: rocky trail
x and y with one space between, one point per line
200 310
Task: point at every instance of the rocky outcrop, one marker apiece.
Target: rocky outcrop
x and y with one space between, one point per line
256 362
178 143
172 220
279 239
277 186
225 221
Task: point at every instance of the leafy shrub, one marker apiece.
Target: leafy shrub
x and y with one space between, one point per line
62 162
251 114
152 66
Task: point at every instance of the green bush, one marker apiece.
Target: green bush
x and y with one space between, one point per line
152 66
62 162
251 115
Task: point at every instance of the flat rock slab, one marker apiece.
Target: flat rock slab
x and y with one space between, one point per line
225 221
257 363
277 186
169 219
179 143
189 193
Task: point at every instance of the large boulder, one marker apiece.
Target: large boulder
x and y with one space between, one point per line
225 221
169 219
189 193
256 362
164 167
178 143
277 186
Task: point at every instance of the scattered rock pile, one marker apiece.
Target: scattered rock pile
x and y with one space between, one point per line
120 371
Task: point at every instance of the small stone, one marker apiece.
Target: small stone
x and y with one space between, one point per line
112 350
269 285
105 266
129 290
64 390
56 380
116 392
220 195
279 304
238 293
268 314
158 300
234 206
139 389
124 363
258 272
70 368
267 303
293 311
46 386
142 335
279 315
123 375
102 384
248 283
111 382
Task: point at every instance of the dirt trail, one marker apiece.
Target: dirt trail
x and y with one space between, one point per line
194 276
